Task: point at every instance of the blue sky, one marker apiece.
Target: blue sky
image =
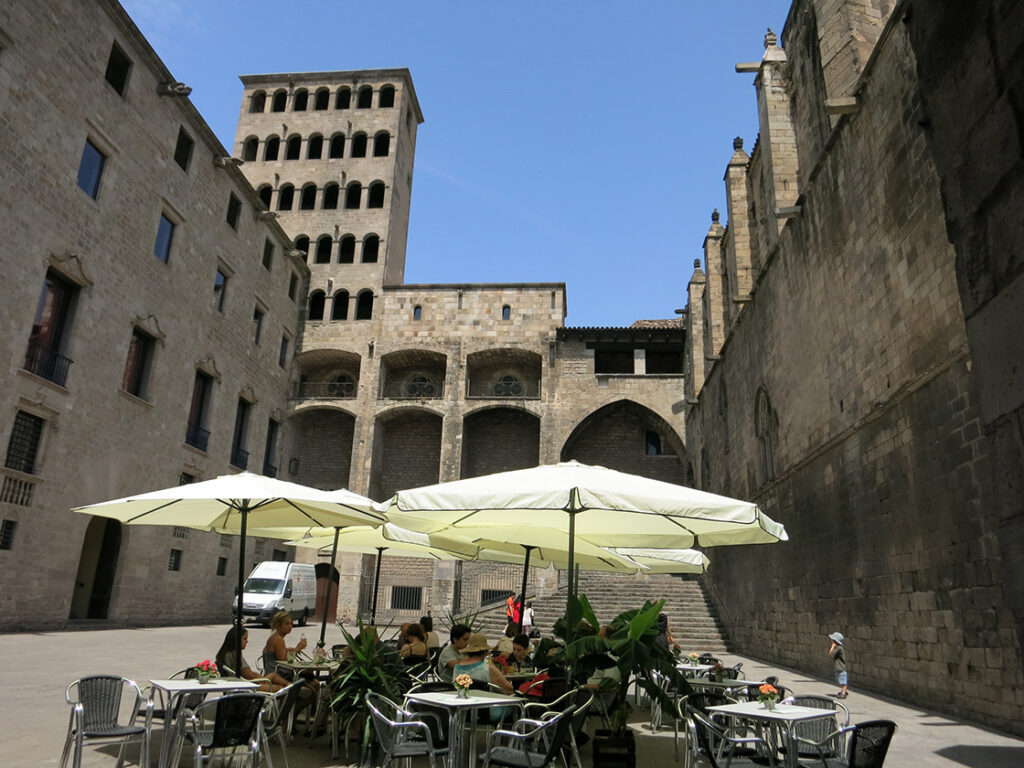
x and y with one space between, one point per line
571 141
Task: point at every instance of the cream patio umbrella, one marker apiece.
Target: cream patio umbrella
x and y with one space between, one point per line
558 503
232 503
666 560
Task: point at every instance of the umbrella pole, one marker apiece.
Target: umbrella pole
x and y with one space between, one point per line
330 583
571 591
376 583
244 510
522 594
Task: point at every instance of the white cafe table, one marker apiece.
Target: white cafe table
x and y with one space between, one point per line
783 718
174 690
458 708
690 670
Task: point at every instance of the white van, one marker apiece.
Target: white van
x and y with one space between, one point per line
279 586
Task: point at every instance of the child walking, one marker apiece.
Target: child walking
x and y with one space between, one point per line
839 662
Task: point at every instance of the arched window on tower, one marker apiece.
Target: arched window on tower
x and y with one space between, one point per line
343 98
265 193
271 148
316 305
354 195
652 443
323 99
365 98
250 148
315 147
386 98
417 312
293 149
285 197
308 200
766 431
381 144
323 250
331 192
359 145
375 195
347 249
337 149
301 101
302 244
506 312
364 305
258 102
280 101
339 308
371 249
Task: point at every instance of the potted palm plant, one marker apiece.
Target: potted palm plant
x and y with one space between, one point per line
632 647
369 666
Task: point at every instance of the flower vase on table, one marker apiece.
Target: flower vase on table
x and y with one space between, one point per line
462 683
769 696
205 671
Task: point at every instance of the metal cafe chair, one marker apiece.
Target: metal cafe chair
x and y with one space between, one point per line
97 714
222 726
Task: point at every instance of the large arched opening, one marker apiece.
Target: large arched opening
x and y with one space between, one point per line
97 567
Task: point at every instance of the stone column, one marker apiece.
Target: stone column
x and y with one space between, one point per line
694 373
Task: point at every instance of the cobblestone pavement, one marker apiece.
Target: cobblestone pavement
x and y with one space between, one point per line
38 667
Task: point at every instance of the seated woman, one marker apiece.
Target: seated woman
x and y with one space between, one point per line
519 656
504 645
415 648
476 664
433 641
225 658
277 650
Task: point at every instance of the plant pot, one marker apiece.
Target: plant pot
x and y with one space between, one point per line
769 704
614 749
203 677
462 693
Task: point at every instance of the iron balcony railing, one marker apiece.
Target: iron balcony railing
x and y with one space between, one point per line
17 489
412 390
502 389
45 362
269 470
239 457
197 437
324 390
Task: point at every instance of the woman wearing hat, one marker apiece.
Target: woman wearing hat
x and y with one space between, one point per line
839 662
476 664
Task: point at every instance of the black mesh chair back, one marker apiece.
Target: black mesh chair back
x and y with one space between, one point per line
707 658
97 713
822 731
701 700
101 701
869 743
235 718
732 673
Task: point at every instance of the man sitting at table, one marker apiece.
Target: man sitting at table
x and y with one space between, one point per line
452 652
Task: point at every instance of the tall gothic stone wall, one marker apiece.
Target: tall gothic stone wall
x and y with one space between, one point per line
846 404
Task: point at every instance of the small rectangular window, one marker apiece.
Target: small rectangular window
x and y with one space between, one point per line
118 67
257 324
7 533
23 446
282 358
225 539
406 598
164 236
174 563
279 555
90 169
180 532
140 360
186 478
222 566
234 211
293 284
220 289
183 149
268 254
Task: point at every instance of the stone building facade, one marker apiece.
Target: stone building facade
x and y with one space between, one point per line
150 317
853 359
205 311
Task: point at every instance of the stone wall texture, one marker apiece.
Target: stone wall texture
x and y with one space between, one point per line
849 398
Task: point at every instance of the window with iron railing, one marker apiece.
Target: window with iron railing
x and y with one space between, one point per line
406 598
51 329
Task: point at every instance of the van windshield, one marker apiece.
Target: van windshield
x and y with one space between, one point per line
264 586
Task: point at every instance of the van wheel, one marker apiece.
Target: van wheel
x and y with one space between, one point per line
305 615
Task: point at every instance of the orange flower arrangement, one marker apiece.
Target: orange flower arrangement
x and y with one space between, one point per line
768 693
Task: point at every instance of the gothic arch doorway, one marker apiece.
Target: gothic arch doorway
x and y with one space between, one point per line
326 574
97 566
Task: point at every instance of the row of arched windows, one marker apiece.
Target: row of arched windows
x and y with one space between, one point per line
331 199
323 250
322 98
317 305
357 147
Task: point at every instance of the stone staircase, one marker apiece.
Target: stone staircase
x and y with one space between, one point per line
691 618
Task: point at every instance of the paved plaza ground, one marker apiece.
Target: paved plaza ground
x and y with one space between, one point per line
38 667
